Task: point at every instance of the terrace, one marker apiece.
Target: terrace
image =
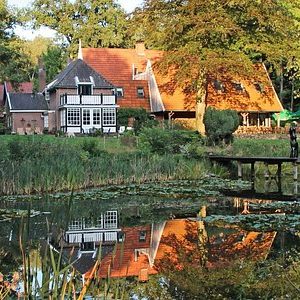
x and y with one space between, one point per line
101 99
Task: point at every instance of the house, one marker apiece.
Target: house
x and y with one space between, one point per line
25 87
139 84
82 100
25 112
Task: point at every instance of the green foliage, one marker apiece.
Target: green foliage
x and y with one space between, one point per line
220 125
160 140
15 65
210 37
140 115
100 23
55 59
62 164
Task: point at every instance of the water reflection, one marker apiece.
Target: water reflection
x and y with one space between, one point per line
138 235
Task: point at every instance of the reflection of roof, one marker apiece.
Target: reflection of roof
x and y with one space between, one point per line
182 236
78 68
130 257
22 101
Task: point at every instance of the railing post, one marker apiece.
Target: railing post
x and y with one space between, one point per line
295 171
239 164
101 96
80 99
252 172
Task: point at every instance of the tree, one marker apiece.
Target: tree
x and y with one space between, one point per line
212 37
55 59
98 23
220 125
15 66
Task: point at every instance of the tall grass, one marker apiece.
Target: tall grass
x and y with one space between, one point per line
41 166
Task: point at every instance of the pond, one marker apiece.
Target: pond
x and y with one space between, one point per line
136 225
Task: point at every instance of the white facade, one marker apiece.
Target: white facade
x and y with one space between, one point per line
87 113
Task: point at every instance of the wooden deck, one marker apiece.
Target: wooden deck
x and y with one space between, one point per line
252 160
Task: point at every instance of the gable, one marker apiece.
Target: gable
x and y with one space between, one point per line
78 71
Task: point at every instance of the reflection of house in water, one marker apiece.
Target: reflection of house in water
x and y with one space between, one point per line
139 251
85 235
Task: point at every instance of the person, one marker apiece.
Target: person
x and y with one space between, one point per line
293 140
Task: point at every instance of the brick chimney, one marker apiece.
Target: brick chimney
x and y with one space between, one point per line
42 75
140 48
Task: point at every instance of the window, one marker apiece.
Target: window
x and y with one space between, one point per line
75 224
119 92
96 116
62 118
109 116
73 116
142 237
238 86
99 222
140 92
259 87
84 89
111 219
86 120
219 86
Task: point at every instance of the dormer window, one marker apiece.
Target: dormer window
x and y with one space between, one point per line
219 86
84 89
239 87
140 92
119 92
259 87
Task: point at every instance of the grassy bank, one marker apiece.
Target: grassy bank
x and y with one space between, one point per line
37 164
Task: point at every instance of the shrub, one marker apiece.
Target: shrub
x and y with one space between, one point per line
220 125
140 116
162 141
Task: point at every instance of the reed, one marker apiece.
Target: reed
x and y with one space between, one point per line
39 167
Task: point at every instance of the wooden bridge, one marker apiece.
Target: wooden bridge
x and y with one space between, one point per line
241 160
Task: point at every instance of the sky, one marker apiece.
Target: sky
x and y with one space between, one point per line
128 5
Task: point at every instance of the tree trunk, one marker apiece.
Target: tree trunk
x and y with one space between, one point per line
200 108
292 95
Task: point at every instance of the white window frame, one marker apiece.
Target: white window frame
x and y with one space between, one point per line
140 92
119 92
62 118
111 219
109 116
75 224
86 117
96 113
74 119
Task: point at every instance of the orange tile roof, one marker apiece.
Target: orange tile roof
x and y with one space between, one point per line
23 87
251 99
117 66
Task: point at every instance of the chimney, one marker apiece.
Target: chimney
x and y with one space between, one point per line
42 75
140 48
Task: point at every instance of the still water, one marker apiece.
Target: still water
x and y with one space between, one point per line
135 226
